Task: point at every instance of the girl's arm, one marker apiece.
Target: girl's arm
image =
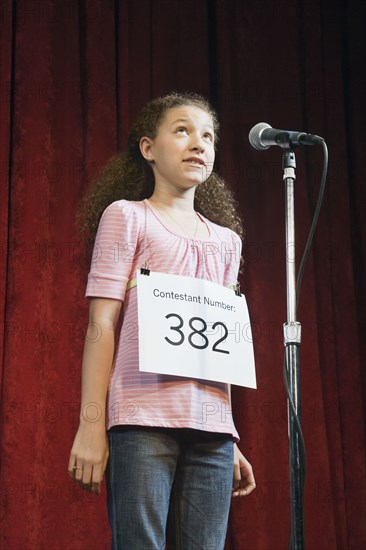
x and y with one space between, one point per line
243 477
90 448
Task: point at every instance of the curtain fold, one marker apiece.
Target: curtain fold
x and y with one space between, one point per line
73 77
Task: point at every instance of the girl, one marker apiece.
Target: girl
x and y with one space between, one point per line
167 443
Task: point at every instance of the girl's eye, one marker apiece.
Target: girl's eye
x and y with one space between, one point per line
209 136
181 129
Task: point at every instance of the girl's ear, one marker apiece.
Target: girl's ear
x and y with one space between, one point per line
145 148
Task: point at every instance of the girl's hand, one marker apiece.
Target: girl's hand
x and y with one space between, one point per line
89 457
243 479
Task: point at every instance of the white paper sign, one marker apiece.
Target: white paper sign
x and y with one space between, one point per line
193 327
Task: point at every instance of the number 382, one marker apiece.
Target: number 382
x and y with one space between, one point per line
200 331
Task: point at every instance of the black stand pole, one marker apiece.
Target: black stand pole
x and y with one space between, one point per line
292 341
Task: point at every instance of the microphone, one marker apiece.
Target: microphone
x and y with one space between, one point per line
262 136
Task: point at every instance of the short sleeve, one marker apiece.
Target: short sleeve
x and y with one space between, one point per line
233 248
114 251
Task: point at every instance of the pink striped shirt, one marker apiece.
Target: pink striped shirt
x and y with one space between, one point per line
120 249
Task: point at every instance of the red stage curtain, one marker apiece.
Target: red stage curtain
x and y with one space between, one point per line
73 76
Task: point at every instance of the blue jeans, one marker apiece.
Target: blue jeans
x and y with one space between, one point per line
168 486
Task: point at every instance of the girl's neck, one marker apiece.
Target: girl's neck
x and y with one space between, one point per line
185 220
180 204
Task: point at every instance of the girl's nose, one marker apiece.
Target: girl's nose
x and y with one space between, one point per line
198 144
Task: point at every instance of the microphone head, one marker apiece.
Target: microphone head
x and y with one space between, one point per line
255 136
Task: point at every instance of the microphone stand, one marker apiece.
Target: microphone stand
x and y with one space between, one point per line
292 341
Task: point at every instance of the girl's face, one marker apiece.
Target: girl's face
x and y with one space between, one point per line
182 154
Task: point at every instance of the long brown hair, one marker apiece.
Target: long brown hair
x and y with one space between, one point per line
129 176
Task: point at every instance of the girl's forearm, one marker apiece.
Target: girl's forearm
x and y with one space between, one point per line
96 368
97 360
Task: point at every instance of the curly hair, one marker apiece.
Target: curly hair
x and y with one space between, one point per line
129 176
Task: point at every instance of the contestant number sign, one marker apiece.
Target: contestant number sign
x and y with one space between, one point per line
195 328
